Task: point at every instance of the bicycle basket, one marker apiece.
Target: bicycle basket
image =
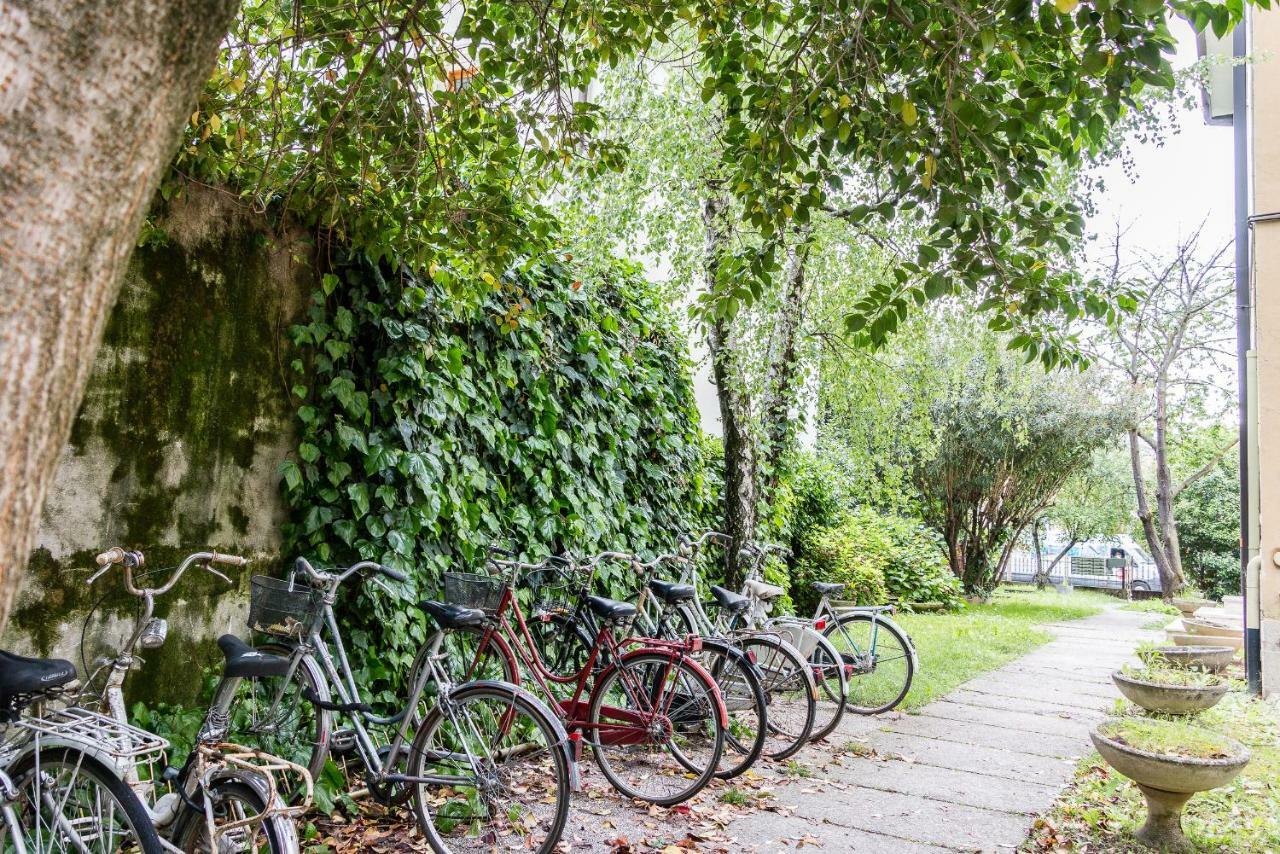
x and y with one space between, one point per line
281 608
552 589
468 590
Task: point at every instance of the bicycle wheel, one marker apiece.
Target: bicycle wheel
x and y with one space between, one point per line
674 749
69 802
833 687
236 807
273 715
878 654
493 770
562 643
744 700
788 684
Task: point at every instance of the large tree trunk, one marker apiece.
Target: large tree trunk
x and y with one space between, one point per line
93 97
784 378
1170 575
740 464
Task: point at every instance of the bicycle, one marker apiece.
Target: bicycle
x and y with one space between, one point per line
734 671
224 796
486 761
652 716
788 679
830 674
60 783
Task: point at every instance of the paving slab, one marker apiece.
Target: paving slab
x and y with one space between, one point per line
978 759
948 785
985 735
1022 704
1020 722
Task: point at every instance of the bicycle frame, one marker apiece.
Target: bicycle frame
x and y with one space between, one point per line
516 645
336 669
8 796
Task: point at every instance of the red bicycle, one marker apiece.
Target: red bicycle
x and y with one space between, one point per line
651 714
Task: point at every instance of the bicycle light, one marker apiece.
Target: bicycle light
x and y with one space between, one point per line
154 634
819 624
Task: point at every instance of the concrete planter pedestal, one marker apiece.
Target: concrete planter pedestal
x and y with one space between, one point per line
1168 782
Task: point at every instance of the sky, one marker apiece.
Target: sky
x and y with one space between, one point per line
1175 186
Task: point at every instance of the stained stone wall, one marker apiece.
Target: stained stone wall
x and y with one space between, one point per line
176 447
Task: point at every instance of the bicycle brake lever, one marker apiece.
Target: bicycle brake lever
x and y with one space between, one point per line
217 573
99 574
373 579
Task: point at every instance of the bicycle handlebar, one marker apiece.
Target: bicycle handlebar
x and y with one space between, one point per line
131 560
302 566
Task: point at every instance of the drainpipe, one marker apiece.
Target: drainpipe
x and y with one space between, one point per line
1250 563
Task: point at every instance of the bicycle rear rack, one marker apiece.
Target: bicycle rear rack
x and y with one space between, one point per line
98 732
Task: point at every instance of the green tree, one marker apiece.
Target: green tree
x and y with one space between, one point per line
1006 438
1096 501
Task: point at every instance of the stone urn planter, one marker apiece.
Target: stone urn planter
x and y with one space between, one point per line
1184 639
1170 762
1188 607
1213 659
1158 690
1208 628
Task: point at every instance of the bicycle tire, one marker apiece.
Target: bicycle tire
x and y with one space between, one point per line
894 692
786 679
631 663
313 754
740 685
825 660
278 832
135 814
546 723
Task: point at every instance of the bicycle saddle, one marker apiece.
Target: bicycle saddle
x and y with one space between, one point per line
452 616
732 602
825 587
671 592
611 609
22 675
764 591
245 661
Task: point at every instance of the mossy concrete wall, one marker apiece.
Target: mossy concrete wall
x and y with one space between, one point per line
176 447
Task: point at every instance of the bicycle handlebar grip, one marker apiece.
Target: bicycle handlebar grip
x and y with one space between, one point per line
393 574
499 550
229 560
110 556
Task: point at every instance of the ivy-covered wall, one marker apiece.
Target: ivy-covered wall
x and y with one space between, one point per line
557 413
178 441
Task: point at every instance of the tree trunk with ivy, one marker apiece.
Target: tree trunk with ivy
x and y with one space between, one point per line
784 376
94 96
740 463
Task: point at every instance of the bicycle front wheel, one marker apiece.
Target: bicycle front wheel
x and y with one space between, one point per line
238 824
833 688
655 727
68 802
490 769
877 654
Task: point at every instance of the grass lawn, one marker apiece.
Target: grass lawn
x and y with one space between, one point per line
955 647
1102 810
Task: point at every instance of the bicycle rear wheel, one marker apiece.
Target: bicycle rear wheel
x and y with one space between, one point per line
744 700
879 655
235 802
69 802
655 727
833 688
788 684
492 769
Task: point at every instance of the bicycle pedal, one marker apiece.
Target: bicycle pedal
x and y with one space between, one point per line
343 741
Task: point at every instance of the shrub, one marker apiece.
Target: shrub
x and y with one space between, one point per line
879 556
854 551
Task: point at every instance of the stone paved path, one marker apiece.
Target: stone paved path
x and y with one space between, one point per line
968 772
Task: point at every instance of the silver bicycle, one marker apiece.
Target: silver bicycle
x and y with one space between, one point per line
60 783
876 654
225 797
485 763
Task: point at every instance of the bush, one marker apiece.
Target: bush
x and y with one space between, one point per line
879 556
854 551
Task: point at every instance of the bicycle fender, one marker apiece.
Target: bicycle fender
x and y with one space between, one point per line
460 692
674 655
911 646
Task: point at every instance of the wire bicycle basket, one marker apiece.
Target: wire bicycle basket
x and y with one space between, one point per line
282 608
553 589
469 590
